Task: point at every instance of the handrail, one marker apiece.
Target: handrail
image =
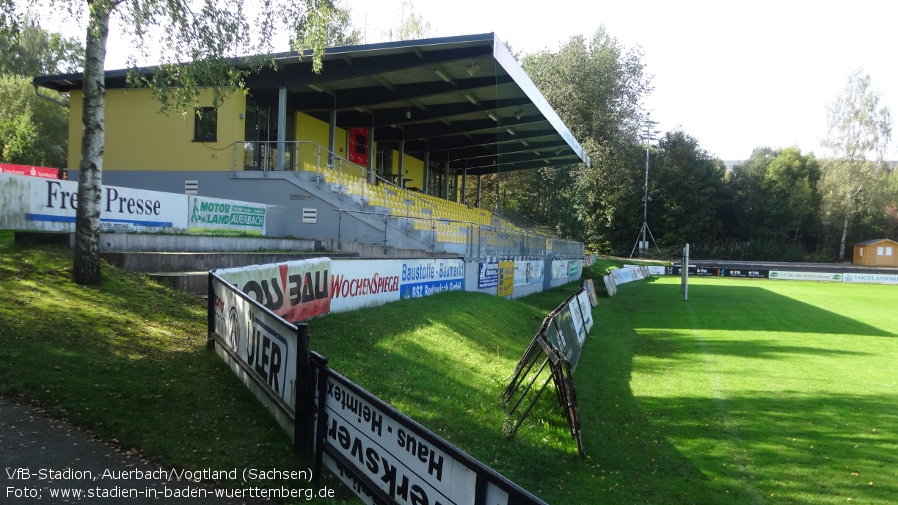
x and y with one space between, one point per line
339 163
333 159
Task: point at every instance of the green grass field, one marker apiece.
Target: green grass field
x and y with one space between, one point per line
751 392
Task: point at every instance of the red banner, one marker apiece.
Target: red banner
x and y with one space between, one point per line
43 172
358 146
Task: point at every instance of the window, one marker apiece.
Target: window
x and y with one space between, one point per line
888 251
205 126
880 251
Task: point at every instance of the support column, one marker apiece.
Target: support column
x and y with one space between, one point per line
372 163
282 127
332 138
446 182
426 183
464 187
479 189
401 179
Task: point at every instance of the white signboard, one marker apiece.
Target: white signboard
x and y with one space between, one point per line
586 308
398 456
214 215
805 276
264 343
30 203
870 278
361 283
559 269
294 290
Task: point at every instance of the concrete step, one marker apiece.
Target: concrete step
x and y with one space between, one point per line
156 262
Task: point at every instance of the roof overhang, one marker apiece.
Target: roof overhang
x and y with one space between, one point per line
463 100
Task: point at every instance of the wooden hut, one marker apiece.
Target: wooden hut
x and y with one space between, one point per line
880 252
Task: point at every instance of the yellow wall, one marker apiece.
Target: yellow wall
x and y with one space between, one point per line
139 137
307 128
414 170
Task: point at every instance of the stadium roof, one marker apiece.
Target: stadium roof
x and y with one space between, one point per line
464 100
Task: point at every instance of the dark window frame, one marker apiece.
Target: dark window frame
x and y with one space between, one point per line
205 125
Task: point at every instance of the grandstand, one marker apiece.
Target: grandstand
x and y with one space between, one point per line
372 150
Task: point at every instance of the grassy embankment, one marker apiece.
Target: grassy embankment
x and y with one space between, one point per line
753 391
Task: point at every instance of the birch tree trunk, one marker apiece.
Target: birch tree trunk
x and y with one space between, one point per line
86 267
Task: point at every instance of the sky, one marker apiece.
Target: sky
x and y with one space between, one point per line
733 75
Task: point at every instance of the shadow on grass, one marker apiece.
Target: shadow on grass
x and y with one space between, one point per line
792 447
810 447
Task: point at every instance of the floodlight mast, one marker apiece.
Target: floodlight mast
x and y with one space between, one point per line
642 239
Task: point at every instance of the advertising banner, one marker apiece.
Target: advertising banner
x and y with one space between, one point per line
610 285
520 273
535 274
431 276
706 272
32 203
487 274
870 278
622 275
294 290
214 215
590 288
574 267
577 320
31 171
805 276
506 278
746 273
369 443
560 269
363 283
358 146
265 345
565 335
586 310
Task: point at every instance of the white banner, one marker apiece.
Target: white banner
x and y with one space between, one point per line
294 290
870 278
363 283
214 215
559 269
393 452
266 345
31 203
805 276
586 307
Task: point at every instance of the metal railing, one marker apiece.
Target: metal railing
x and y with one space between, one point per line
499 239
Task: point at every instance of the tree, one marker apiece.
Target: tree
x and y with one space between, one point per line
411 24
859 128
687 191
196 43
33 131
595 85
34 51
775 196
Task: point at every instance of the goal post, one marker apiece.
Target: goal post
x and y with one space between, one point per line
684 273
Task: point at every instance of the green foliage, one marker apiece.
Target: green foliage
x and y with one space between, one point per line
775 197
853 187
687 190
33 51
33 131
595 85
412 26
